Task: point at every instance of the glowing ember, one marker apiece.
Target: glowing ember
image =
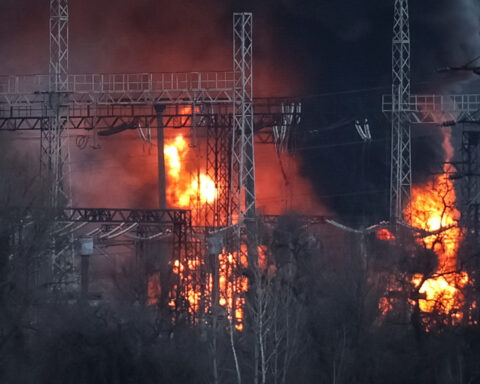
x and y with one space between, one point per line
233 285
153 289
433 210
385 235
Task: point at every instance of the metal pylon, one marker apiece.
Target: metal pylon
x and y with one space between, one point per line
470 172
54 154
401 167
243 165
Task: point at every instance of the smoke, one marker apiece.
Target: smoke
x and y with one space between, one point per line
280 185
353 47
309 49
119 171
445 33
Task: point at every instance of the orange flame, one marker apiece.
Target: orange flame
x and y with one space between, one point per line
385 235
185 190
432 209
233 285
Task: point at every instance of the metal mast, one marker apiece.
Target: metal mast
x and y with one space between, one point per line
54 150
401 167
243 165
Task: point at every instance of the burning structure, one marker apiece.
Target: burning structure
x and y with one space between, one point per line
205 125
202 254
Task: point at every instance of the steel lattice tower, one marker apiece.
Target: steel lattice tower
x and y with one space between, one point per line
401 169
54 152
58 66
470 171
242 195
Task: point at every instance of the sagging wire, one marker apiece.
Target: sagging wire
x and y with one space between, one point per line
158 235
81 141
69 232
54 232
290 116
147 137
122 232
118 227
93 232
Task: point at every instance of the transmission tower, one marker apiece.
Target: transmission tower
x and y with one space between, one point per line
54 147
470 172
401 168
243 166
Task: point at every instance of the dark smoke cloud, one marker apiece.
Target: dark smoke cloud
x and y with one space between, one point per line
445 33
314 47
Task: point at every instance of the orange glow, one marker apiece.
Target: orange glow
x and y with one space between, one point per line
184 189
262 257
153 289
233 285
385 306
193 191
184 116
432 209
385 235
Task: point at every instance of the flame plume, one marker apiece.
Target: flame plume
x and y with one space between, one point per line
193 191
185 190
432 209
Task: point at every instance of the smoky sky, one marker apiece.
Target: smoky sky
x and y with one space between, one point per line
335 55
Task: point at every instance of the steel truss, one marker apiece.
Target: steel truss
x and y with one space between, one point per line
218 168
139 227
435 109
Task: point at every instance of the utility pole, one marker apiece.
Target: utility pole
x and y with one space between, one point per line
401 162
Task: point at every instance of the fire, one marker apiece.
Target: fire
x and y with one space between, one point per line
233 285
193 191
184 189
385 235
432 209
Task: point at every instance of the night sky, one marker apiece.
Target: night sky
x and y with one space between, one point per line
335 55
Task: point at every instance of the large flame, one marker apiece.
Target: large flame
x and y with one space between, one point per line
184 189
432 209
193 190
